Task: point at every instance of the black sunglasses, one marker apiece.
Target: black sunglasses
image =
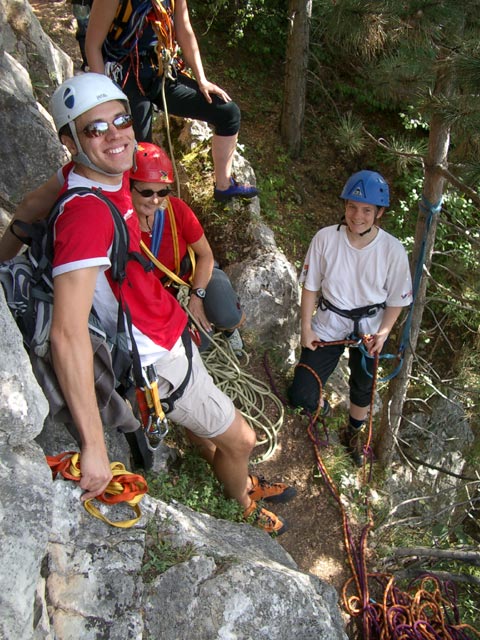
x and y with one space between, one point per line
148 193
100 127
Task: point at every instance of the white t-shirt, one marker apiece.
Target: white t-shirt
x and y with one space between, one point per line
351 278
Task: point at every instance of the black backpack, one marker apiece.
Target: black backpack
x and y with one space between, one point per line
28 285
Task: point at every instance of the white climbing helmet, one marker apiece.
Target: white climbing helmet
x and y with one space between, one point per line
81 93
77 95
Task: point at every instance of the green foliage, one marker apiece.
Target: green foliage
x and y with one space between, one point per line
259 26
195 486
161 553
454 293
350 137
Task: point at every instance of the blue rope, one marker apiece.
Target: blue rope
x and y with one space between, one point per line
432 210
157 231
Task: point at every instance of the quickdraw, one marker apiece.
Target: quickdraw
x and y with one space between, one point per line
125 486
154 420
153 409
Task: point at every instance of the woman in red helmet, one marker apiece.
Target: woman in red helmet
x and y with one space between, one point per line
174 240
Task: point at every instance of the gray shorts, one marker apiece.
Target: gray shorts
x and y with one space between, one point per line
203 408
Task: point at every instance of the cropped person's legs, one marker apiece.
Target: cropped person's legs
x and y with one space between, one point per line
222 304
184 99
141 109
224 437
305 390
361 385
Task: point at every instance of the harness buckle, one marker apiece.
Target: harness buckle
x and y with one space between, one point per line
355 339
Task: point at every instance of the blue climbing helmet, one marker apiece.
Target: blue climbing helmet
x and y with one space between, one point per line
367 186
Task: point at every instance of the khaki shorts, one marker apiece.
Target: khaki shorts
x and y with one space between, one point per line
203 408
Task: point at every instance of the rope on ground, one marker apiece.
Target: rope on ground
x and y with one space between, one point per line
427 610
125 486
261 408
251 396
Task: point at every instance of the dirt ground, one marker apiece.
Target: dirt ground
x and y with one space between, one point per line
314 538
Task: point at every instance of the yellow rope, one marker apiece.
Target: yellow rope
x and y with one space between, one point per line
251 396
125 486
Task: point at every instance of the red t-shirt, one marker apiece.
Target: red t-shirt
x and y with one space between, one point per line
189 230
83 238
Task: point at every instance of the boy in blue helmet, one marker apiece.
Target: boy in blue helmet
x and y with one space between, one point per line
356 280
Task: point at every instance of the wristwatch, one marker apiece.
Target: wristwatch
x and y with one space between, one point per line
200 293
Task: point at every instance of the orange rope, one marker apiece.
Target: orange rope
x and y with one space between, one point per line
125 486
427 612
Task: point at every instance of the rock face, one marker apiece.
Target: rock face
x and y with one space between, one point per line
65 574
437 444
31 151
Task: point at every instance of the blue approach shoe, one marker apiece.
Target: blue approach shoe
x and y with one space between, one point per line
235 190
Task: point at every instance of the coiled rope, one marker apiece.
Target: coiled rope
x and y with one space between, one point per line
125 486
261 408
427 610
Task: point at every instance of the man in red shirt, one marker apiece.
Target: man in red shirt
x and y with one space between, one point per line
92 117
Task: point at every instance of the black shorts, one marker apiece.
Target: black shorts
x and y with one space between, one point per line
183 98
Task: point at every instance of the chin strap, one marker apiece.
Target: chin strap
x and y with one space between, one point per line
365 232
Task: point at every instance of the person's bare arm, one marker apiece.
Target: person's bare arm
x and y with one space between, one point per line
72 357
308 305
36 205
191 52
203 273
101 18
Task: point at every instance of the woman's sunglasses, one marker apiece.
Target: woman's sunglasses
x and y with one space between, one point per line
100 127
148 193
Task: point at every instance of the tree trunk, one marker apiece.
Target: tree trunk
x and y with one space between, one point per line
293 108
438 144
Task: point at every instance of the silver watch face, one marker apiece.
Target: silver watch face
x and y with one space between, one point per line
200 293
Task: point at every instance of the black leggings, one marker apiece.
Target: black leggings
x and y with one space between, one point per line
183 98
304 390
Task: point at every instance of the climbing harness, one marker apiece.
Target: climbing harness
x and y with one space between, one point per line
356 315
125 486
172 277
121 49
353 314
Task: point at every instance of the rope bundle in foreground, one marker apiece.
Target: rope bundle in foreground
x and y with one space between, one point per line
125 486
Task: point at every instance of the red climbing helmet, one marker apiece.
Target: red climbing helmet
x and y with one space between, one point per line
152 164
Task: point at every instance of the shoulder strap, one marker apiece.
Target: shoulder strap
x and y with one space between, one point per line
121 19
